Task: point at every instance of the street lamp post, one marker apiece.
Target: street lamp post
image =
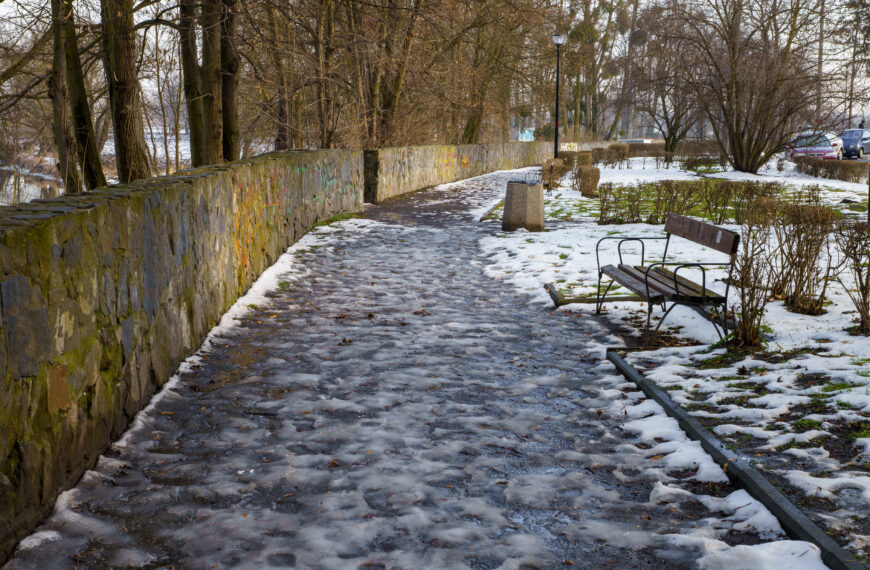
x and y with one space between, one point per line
558 39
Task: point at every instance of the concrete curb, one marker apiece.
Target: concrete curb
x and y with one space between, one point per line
795 523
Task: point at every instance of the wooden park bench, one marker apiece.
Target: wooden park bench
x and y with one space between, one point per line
656 284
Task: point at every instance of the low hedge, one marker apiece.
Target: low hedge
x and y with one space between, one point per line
714 199
619 150
578 158
586 180
552 172
844 170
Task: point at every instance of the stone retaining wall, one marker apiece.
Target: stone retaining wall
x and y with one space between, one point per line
392 172
102 295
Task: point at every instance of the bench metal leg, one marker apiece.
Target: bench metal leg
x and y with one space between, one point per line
599 296
648 317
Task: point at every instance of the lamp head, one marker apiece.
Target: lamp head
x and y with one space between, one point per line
559 39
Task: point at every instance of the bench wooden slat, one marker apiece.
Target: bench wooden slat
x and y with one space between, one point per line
655 284
703 233
630 283
695 288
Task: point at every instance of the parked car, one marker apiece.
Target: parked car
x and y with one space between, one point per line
817 145
856 142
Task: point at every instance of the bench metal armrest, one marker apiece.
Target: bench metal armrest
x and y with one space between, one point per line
623 239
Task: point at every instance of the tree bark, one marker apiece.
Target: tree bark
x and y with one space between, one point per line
211 81
83 125
66 162
323 48
229 51
119 61
393 95
192 80
282 135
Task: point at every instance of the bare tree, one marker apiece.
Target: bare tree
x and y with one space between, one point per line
750 65
119 60
663 89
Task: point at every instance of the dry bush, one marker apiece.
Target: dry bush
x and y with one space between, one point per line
606 202
671 196
806 260
620 151
701 162
552 172
845 170
745 194
695 148
586 178
716 198
576 158
853 241
752 273
584 158
644 149
665 159
619 204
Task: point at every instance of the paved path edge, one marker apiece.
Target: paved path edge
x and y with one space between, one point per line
742 474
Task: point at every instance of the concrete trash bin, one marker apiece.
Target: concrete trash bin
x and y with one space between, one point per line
523 207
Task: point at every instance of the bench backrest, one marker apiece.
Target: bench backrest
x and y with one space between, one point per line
703 233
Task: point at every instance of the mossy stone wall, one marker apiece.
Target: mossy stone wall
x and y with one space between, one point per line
102 295
392 172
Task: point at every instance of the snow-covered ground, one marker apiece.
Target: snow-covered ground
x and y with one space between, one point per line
800 408
377 401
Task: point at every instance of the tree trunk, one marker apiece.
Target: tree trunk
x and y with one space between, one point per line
323 47
211 81
393 95
192 80
66 162
282 136
83 125
471 132
119 61
229 80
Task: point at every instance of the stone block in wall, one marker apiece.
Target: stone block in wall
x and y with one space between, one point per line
402 170
103 294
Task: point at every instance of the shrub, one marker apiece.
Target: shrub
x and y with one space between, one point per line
671 196
806 263
619 204
702 163
579 158
745 194
619 151
584 159
752 272
586 180
651 202
853 240
845 170
646 149
552 172
716 200
694 148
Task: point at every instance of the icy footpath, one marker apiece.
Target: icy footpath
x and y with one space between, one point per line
377 401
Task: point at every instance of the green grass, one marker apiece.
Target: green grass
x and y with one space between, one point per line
837 386
340 218
806 424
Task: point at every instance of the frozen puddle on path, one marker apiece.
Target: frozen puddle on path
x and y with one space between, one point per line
377 401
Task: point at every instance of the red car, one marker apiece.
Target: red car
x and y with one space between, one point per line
817 145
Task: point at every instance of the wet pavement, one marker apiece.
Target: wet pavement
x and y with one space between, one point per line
391 406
